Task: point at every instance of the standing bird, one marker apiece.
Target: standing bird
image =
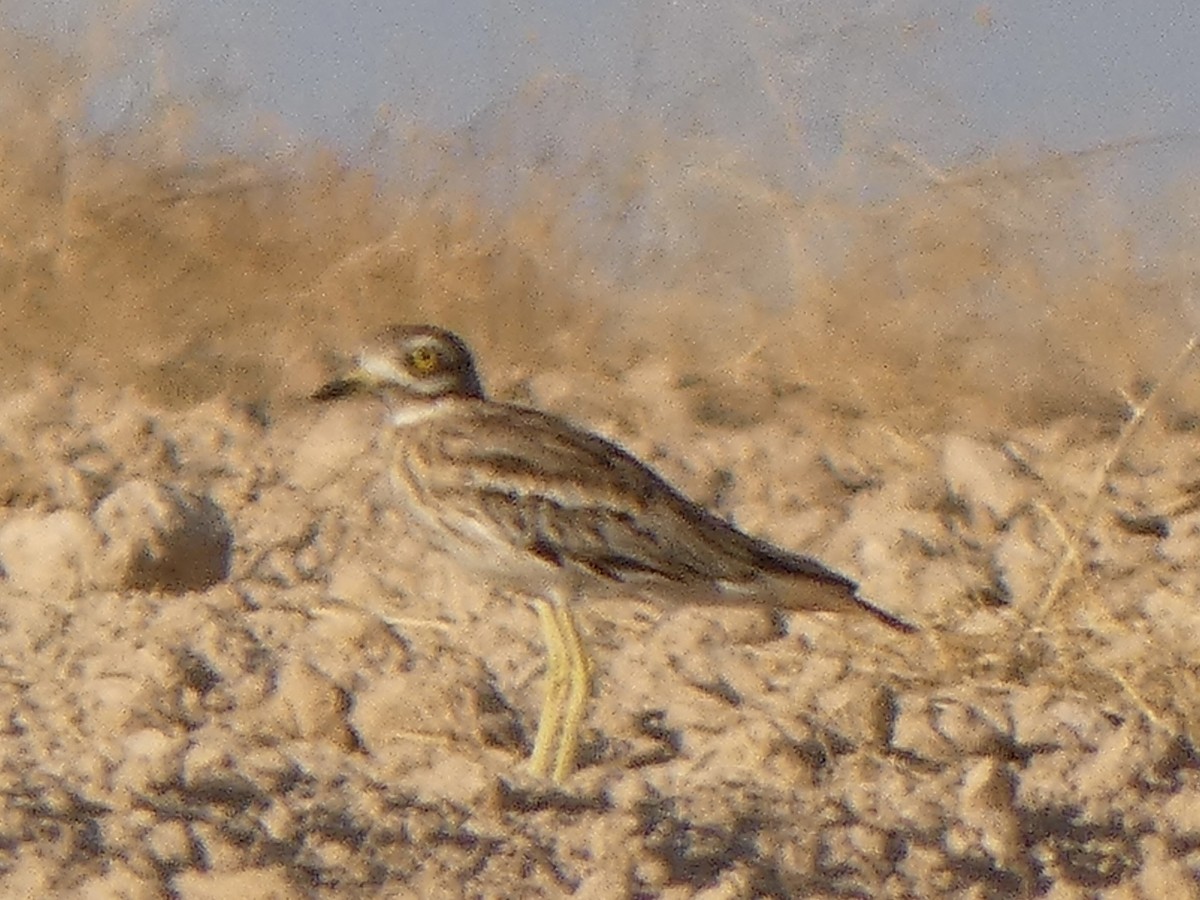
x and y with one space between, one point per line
536 505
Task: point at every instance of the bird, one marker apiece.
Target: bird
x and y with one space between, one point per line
536 505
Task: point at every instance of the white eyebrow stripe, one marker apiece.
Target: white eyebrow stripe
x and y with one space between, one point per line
382 368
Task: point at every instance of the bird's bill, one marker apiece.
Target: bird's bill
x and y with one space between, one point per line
371 374
357 381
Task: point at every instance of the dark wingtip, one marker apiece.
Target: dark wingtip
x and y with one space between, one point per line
886 617
779 560
335 390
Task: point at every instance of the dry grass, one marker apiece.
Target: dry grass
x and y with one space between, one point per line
993 295
1069 561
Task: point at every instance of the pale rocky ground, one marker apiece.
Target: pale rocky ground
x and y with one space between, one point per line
230 672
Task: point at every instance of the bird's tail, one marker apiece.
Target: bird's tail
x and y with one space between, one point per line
827 591
887 618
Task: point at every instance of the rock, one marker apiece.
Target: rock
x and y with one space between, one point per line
169 845
988 808
249 884
335 446
414 713
309 705
147 756
157 537
982 476
1023 565
914 734
118 880
16 481
48 555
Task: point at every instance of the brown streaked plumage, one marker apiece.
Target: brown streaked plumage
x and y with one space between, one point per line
540 506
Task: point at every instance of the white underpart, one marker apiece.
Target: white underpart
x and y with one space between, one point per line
417 412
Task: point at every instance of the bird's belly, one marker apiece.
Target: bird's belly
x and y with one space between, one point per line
477 543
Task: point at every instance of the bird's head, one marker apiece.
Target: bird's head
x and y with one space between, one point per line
409 362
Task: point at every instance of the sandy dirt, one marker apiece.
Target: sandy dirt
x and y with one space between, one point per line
231 671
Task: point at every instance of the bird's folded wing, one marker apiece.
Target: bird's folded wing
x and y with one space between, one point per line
573 498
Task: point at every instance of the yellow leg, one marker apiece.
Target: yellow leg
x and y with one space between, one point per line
579 682
557 675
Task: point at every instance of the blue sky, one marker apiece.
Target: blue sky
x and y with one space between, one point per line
781 80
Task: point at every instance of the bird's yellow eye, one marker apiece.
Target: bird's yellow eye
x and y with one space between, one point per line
424 360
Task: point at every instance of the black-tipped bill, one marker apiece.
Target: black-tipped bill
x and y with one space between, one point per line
338 388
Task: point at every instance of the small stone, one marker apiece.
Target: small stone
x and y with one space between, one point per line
913 731
120 881
391 712
149 756
249 884
168 842
308 705
452 777
337 445
48 555
1024 564
988 806
982 476
18 486
160 538
970 728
